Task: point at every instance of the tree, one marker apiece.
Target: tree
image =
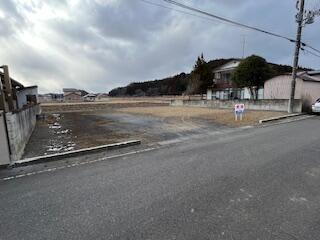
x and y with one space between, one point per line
252 72
203 70
193 84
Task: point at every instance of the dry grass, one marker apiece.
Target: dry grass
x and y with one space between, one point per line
221 116
115 101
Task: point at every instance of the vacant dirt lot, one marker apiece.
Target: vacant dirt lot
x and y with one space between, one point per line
72 126
97 106
111 103
221 116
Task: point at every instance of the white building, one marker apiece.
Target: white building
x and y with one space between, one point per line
223 87
307 88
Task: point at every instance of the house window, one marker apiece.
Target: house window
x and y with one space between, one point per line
218 75
228 77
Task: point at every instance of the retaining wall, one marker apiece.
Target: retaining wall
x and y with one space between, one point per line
280 105
20 126
4 145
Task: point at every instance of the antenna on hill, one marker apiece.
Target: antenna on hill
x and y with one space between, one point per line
243 46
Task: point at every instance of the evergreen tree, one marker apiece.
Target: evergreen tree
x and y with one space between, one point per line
203 70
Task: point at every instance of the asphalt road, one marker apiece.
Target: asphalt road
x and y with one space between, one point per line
260 183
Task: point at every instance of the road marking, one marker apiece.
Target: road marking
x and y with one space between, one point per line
79 164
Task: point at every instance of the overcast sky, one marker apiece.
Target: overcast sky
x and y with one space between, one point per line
98 45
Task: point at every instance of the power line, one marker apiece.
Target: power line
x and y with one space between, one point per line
238 23
177 10
227 20
307 45
312 53
222 19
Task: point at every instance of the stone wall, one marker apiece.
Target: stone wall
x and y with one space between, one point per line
280 105
20 126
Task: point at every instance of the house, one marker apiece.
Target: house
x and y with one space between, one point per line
102 96
27 96
224 88
307 88
89 97
73 95
17 96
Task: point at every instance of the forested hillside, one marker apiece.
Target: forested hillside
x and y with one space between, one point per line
178 84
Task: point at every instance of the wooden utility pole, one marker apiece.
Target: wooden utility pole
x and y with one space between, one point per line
8 87
296 56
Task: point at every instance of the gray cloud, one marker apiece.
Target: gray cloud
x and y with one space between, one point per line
102 44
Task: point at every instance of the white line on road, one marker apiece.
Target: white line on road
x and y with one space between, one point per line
79 164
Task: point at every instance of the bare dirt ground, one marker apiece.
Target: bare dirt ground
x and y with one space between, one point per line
221 116
97 106
61 132
108 103
86 125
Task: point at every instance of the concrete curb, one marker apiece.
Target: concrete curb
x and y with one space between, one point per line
281 117
59 156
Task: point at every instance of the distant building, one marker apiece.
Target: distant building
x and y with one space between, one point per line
102 96
89 97
73 95
50 97
307 88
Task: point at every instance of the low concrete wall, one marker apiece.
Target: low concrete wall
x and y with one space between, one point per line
4 145
266 105
20 126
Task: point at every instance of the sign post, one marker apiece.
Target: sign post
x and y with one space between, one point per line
239 111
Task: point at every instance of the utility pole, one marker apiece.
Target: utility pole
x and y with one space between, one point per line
303 18
8 87
296 56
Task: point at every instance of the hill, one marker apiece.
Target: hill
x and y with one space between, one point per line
177 85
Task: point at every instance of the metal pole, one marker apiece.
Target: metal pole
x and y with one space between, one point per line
296 56
243 46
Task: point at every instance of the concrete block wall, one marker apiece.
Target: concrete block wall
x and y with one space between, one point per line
280 105
20 127
4 145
